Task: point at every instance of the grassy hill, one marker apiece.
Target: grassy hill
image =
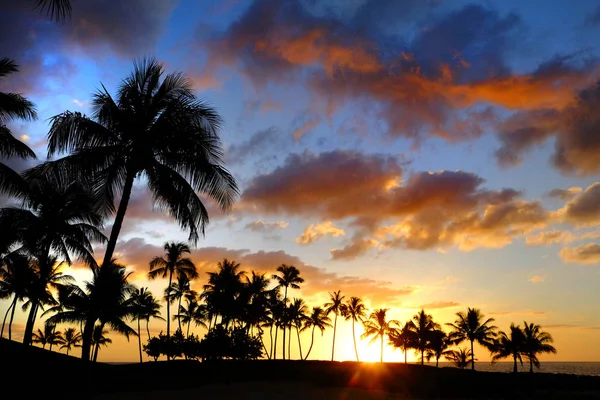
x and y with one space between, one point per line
32 371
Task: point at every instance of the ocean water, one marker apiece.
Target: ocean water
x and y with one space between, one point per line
575 368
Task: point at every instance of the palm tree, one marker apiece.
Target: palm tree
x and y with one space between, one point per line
354 310
461 357
139 301
174 262
195 312
536 342
297 316
255 295
155 129
16 275
336 306
438 346
12 106
471 326
423 326
106 300
317 319
274 307
180 289
99 338
151 310
223 289
48 336
290 277
403 339
72 338
55 9
509 345
378 326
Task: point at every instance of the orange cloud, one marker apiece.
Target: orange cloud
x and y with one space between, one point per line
549 237
537 279
316 231
584 208
436 305
585 254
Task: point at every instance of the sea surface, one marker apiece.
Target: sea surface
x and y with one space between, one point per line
575 368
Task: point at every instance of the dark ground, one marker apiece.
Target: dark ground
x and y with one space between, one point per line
28 372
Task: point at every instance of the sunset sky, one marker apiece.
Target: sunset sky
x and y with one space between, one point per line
415 153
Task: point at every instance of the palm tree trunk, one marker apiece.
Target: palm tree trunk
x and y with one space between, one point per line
51 344
148 327
178 314
334 329
187 334
422 357
12 304
381 349
275 345
169 305
299 344
271 342
140 340
437 362
472 357
405 357
12 316
28 334
514 365
290 342
96 350
86 338
116 228
284 307
312 340
354 339
67 351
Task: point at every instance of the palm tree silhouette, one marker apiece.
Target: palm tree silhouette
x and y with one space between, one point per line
12 106
536 342
174 262
461 357
355 311
509 345
49 336
151 310
223 289
297 316
16 275
471 326
194 312
139 309
403 339
423 326
439 343
289 277
106 300
274 306
180 289
72 338
336 306
99 338
156 129
317 319
377 326
55 9
254 295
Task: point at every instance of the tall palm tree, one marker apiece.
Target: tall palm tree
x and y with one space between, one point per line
289 276
461 357
223 289
138 302
403 339
439 343
473 326
194 312
48 336
46 277
355 311
274 306
255 295
72 338
151 310
509 345
378 326
180 289
99 338
423 326
174 262
12 106
105 300
536 342
55 9
297 316
16 275
317 319
336 306
155 129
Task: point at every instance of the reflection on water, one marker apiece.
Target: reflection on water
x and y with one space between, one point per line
576 368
